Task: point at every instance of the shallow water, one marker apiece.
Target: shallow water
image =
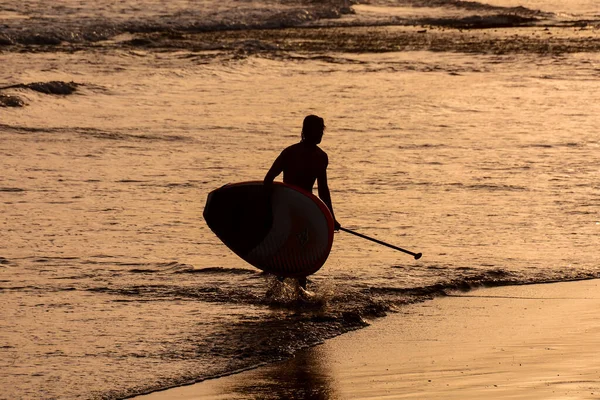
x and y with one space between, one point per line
477 148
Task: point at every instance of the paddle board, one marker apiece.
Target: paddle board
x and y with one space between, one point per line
289 233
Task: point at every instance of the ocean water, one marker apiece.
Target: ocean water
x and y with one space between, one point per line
463 130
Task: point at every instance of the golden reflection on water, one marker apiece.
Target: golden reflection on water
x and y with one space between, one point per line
486 164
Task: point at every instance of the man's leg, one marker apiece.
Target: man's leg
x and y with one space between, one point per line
302 282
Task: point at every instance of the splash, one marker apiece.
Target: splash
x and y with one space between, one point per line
288 293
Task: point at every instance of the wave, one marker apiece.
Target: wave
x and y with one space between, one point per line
177 268
489 187
242 288
472 6
52 87
276 27
481 21
95 133
217 271
10 190
58 27
465 35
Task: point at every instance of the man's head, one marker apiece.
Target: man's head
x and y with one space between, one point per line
312 129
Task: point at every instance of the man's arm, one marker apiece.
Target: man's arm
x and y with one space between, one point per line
274 171
324 194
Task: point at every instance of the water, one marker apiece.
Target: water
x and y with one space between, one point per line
477 147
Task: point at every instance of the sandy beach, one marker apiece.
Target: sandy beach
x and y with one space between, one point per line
520 342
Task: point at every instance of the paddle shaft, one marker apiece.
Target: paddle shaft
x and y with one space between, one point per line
415 255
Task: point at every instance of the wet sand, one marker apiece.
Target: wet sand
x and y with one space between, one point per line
521 342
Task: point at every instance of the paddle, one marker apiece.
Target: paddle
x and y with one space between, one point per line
415 255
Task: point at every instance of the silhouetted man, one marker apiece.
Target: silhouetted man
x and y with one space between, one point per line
304 163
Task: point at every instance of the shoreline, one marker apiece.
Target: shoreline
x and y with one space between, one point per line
527 341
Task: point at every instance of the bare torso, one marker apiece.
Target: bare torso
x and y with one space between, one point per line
302 165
